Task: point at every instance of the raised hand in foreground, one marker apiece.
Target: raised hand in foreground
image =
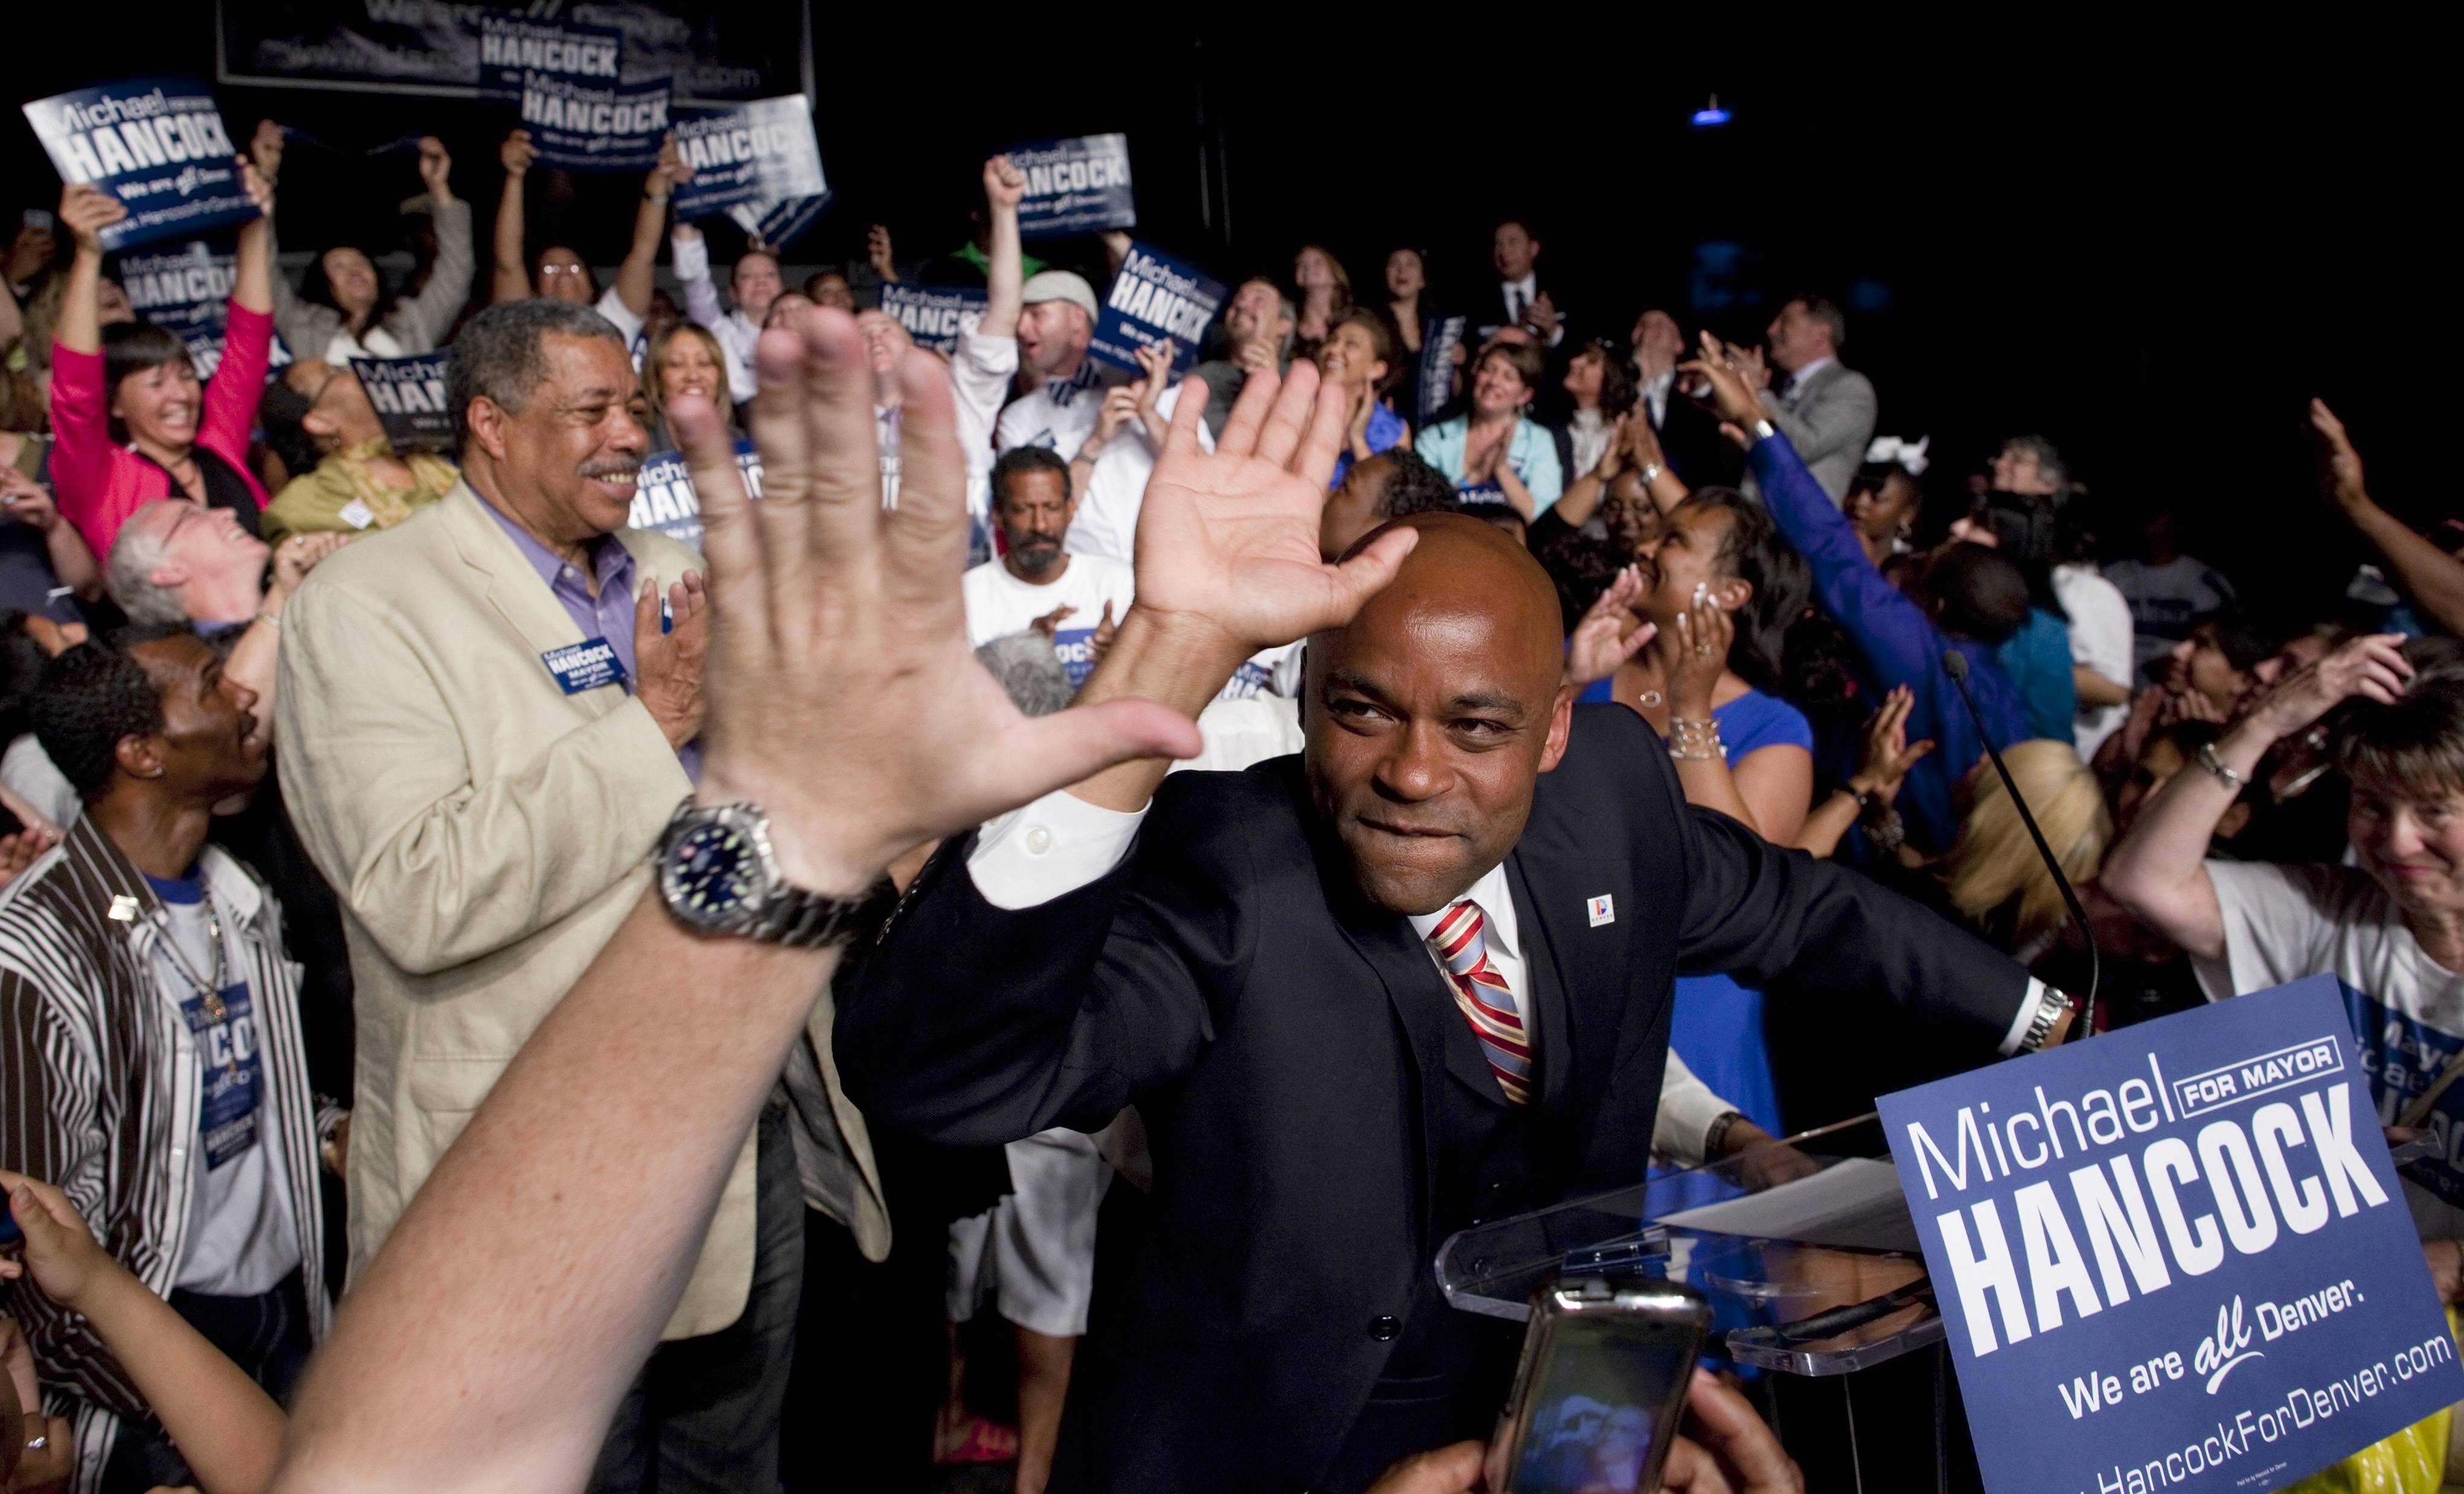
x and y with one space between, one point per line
530 1277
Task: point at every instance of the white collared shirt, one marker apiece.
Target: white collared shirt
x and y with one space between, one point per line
1798 380
1520 295
1655 394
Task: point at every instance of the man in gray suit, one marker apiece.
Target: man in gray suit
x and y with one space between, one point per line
1822 406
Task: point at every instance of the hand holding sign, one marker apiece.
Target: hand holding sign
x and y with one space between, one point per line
1004 183
265 149
516 154
85 212
876 252
435 166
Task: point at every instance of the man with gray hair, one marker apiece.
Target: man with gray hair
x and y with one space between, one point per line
178 561
1824 407
505 706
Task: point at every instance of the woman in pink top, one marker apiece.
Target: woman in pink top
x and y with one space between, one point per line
129 421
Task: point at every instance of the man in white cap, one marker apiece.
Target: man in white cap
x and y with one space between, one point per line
1064 386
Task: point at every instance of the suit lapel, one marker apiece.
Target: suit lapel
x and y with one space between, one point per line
1588 960
514 586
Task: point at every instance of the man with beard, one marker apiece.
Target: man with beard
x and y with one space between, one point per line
1074 599
504 720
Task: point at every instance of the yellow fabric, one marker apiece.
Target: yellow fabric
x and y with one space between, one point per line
313 502
2413 1462
486 833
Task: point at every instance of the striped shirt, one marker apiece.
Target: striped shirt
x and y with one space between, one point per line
102 1088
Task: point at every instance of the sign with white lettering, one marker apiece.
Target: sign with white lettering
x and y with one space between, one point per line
156 143
594 127
408 395
1437 374
1078 185
188 289
2174 1255
1154 297
779 222
664 498
512 45
931 313
760 152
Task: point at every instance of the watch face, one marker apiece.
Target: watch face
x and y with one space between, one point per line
713 873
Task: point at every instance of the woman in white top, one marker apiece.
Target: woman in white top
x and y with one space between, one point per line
2390 927
1601 385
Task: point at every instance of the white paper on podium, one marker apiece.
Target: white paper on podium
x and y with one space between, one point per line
1855 1203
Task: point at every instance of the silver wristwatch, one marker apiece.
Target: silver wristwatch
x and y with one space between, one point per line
2050 1010
718 875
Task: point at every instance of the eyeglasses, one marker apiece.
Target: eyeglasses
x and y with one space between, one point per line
557 270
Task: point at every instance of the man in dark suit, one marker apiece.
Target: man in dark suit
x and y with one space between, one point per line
1521 299
1417 979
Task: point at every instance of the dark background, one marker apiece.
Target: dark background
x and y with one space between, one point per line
2153 258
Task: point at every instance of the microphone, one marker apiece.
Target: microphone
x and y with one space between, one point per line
1955 665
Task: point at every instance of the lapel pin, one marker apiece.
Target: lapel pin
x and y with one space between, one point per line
123 908
1603 909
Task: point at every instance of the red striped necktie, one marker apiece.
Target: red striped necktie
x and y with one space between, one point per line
1486 1000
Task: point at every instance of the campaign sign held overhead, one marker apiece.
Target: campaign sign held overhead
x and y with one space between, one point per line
758 153
188 288
781 221
2174 1255
1437 372
512 45
594 127
1154 297
408 394
1078 185
664 498
931 313
156 143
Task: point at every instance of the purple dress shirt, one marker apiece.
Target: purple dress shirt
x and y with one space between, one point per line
610 615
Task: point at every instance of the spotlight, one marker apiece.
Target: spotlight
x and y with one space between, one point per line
1711 116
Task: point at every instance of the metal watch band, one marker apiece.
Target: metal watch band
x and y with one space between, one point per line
2208 759
802 921
2050 1008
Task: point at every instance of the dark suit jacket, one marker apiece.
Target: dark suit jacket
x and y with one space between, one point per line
1487 311
1284 1041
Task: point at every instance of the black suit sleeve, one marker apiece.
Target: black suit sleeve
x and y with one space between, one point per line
971 1024
1758 912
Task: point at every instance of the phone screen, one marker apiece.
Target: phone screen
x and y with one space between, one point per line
1599 1404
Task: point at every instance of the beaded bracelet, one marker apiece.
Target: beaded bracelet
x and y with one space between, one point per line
1695 741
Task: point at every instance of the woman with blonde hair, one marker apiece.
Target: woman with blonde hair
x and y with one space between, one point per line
683 358
1993 875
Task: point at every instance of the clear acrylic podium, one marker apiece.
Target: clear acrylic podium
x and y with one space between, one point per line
1806 1251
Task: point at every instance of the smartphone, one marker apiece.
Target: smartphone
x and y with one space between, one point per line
9 1232
1602 1384
38 218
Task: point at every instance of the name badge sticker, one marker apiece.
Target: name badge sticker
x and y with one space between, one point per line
585 666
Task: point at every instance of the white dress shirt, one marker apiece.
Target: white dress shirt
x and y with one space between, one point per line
1797 380
1654 392
1519 296
736 334
1107 521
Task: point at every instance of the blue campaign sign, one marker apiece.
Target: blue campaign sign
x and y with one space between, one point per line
1078 185
512 45
1155 298
156 143
1437 374
408 396
187 288
782 221
2174 1255
758 153
664 498
595 127
931 313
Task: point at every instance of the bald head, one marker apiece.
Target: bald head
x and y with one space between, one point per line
1431 713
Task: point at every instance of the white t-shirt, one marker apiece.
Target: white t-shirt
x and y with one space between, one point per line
1057 413
998 604
2167 600
242 1235
981 370
2282 923
2101 638
1107 521
612 306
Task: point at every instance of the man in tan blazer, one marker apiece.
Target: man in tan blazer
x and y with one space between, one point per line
487 722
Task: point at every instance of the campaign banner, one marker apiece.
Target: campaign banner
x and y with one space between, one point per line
2175 1256
1155 298
664 498
931 313
512 45
1078 185
760 152
408 395
1437 380
186 290
156 143
591 128
714 53
780 223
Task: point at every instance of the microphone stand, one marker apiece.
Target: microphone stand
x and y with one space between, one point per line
1955 665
